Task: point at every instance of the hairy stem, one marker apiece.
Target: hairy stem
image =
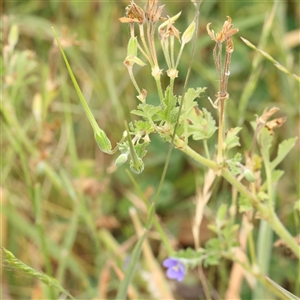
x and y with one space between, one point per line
263 209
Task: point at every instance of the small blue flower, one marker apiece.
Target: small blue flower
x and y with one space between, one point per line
175 268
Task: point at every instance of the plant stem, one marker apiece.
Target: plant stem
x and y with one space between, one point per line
129 68
220 132
272 219
206 148
159 88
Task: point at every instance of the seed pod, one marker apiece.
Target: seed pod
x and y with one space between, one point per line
103 141
132 47
121 160
188 34
249 175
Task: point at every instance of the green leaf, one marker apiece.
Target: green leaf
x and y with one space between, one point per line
244 204
265 142
141 126
234 164
140 149
283 149
276 175
189 102
147 111
213 252
221 214
231 139
169 112
201 124
190 257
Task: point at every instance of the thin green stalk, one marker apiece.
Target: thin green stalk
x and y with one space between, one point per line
70 237
159 88
260 277
221 130
86 108
142 36
156 222
129 68
69 125
151 262
122 290
172 50
179 55
252 248
256 69
38 222
193 154
14 142
206 149
172 79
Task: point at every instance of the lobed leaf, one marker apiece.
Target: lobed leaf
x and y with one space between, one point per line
284 148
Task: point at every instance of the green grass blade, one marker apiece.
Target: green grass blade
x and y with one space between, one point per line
270 58
122 291
16 263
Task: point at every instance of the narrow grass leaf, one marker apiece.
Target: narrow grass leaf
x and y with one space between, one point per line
122 291
100 136
16 263
282 290
270 58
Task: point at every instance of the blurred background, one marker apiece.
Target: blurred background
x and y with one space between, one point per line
65 206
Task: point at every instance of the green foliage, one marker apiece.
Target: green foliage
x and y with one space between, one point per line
190 257
283 149
48 143
231 138
234 164
10 259
244 204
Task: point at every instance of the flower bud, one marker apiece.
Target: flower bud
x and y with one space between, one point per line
249 175
188 34
121 160
137 166
168 22
102 141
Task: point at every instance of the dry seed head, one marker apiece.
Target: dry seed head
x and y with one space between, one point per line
168 23
152 11
134 14
266 115
226 32
275 124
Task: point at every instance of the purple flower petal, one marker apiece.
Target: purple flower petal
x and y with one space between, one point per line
175 269
170 262
172 274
